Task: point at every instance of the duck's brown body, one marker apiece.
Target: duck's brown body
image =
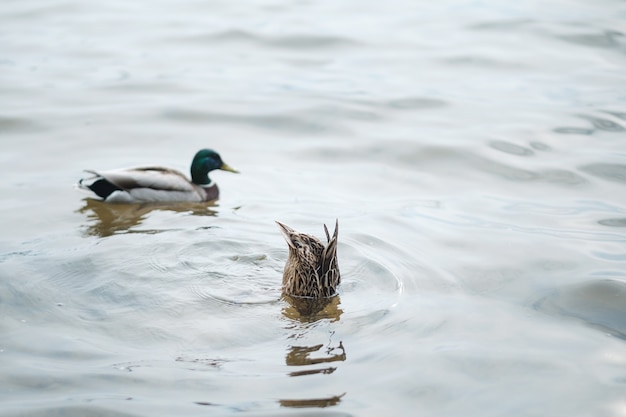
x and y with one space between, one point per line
311 269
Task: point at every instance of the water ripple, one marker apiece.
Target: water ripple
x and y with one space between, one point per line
510 148
252 279
573 130
599 304
411 103
605 39
598 123
293 41
249 271
619 222
485 223
619 115
611 172
289 123
18 124
604 124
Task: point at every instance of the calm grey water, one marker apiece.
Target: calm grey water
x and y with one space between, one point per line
474 153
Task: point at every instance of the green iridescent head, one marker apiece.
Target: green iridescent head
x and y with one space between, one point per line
205 161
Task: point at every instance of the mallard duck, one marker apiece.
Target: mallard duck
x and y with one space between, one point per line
157 184
311 269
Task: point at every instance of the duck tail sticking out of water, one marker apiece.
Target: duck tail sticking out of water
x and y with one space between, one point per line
311 269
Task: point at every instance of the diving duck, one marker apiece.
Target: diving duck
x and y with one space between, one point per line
158 184
311 269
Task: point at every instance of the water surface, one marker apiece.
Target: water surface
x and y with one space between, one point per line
473 153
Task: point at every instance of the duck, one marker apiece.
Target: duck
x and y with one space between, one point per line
311 270
155 184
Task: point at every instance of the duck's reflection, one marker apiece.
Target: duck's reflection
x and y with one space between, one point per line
301 355
107 219
309 310
314 402
303 312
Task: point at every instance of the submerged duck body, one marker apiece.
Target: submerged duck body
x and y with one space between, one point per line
158 184
311 269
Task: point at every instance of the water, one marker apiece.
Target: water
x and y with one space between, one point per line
473 153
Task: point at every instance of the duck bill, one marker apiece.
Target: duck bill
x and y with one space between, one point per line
226 167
